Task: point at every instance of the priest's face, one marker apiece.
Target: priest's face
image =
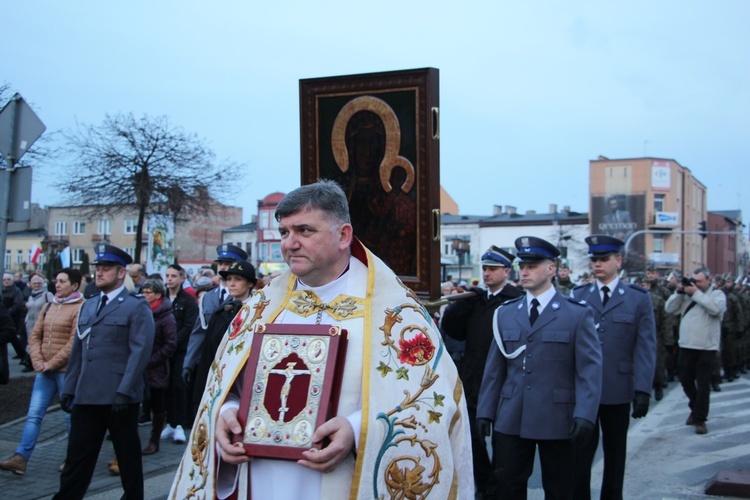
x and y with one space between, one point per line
315 247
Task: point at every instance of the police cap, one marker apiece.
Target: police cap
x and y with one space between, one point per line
110 255
602 245
241 268
533 249
498 257
230 253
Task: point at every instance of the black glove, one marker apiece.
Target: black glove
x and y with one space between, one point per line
484 426
640 404
66 403
187 375
120 403
581 432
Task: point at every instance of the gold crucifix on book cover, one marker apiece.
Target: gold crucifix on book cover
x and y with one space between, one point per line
291 386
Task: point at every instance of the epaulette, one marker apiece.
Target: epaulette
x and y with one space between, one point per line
137 295
636 287
577 287
577 302
512 301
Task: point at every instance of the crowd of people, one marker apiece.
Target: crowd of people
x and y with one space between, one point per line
537 364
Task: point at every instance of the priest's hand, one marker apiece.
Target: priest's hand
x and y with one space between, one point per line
338 431
226 427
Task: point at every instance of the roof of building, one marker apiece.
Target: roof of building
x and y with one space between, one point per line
243 228
516 219
735 215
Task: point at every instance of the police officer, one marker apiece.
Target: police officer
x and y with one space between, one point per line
542 383
104 380
625 323
209 303
470 320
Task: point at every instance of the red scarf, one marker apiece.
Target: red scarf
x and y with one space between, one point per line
156 304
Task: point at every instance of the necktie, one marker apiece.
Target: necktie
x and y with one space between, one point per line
223 295
102 304
534 313
605 298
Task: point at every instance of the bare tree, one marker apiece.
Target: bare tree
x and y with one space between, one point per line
147 162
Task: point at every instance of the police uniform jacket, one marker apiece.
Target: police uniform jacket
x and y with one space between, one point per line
557 378
110 351
210 302
627 333
471 320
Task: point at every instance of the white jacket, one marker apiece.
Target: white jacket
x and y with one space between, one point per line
700 327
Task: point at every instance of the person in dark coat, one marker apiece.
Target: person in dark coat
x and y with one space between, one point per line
165 345
240 279
14 303
7 334
471 320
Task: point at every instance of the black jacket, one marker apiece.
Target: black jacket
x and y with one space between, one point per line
471 320
185 310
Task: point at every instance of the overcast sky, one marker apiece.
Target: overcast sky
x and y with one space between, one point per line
529 91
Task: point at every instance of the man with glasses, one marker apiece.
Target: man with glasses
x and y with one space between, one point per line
470 320
104 380
625 322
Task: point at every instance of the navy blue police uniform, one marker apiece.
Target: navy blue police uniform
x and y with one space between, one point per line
104 383
627 333
541 386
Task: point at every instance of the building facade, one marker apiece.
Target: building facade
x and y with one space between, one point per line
655 205
464 238
726 252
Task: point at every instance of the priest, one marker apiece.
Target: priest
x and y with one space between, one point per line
401 428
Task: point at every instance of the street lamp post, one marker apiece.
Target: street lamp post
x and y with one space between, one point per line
460 245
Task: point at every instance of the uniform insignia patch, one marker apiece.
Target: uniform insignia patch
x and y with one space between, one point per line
520 305
621 291
555 306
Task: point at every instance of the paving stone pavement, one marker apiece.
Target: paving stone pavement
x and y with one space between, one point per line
42 479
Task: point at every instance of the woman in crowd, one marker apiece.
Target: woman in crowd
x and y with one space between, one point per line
165 345
38 299
240 282
50 342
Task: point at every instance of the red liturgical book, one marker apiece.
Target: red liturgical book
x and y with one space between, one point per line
292 386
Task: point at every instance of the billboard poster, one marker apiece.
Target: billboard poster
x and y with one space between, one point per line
621 215
660 172
160 243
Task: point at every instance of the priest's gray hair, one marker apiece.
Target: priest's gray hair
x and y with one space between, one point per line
325 195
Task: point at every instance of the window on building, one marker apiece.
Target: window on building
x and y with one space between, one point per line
79 227
276 252
130 251
61 228
658 243
249 250
263 252
130 226
7 259
19 257
78 255
105 226
659 202
264 219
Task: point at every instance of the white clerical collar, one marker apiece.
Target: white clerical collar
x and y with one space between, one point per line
492 294
544 298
